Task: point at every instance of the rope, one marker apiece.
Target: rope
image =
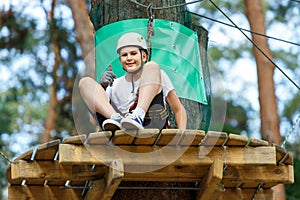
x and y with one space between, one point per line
166 7
253 32
256 46
150 29
291 131
5 157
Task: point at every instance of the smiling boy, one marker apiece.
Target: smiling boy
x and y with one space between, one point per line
136 100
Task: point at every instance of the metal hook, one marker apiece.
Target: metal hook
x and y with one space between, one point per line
150 11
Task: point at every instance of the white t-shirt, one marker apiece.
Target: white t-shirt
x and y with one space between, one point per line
120 93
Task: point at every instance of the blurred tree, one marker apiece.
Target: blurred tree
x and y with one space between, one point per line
36 72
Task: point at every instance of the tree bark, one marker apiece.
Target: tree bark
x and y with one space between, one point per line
265 72
51 117
84 33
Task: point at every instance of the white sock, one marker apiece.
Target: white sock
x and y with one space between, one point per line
115 116
139 112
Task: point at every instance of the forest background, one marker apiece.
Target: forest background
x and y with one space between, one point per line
40 57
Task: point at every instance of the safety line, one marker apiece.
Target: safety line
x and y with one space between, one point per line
291 131
256 33
165 7
5 157
256 46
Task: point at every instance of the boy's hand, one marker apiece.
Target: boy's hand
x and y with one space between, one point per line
107 78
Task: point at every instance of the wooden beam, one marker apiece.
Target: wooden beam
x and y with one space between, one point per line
105 188
211 187
233 175
261 174
42 192
146 137
52 170
77 139
169 137
113 178
204 156
47 150
265 155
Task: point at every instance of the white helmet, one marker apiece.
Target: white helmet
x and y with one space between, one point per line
131 39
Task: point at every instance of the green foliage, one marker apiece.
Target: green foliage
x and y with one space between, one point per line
288 58
24 99
21 31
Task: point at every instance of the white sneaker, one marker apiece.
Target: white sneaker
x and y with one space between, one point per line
132 122
112 124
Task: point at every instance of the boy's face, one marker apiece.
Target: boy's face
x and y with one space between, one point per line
130 58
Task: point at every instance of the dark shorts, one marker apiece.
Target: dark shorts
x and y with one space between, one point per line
156 117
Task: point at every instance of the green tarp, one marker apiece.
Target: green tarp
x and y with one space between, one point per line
174 47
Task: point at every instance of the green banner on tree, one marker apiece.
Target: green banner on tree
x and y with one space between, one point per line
174 47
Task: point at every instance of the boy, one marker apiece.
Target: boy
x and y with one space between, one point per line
136 100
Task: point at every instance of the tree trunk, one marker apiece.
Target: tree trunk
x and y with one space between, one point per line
265 72
85 37
104 12
51 117
84 33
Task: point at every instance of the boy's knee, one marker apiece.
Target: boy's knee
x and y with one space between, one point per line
152 66
83 82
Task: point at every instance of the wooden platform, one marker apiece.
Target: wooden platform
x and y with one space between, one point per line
220 165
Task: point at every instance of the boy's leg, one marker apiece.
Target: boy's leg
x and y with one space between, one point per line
150 86
97 101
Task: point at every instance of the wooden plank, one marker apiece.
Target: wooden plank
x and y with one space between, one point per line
122 137
105 188
259 174
98 138
192 137
47 150
239 156
42 192
169 137
213 138
233 175
49 170
253 142
236 140
211 187
113 178
79 155
25 156
146 137
10 180
78 139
